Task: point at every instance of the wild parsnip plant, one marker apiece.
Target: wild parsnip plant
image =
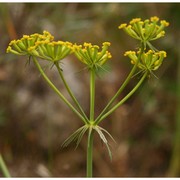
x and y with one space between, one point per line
145 61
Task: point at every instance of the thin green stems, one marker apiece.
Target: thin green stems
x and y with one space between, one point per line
90 153
92 94
124 99
69 91
4 168
90 135
122 86
118 92
57 91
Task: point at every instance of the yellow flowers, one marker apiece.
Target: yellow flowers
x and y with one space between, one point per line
91 56
147 30
42 46
24 45
52 51
148 61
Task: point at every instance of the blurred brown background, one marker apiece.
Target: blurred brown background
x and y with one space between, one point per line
34 123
